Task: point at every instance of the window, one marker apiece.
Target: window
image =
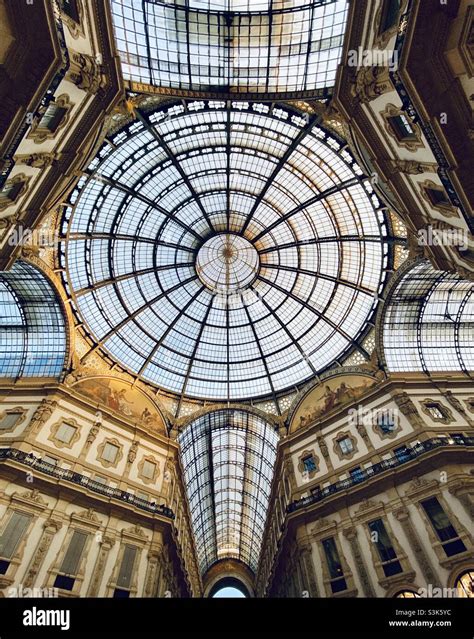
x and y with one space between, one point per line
435 410
346 445
357 474
10 420
13 533
389 16
336 573
148 469
437 197
52 117
388 556
100 480
70 8
402 453
47 459
70 564
10 192
110 452
125 573
309 464
65 433
407 594
446 532
402 127
465 584
386 423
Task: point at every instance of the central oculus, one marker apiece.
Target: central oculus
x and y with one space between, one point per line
227 263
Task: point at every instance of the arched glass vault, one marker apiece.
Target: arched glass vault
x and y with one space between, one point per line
224 250
428 324
32 327
231 46
228 458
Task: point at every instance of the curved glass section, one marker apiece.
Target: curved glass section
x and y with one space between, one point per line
225 251
230 46
32 328
228 458
428 324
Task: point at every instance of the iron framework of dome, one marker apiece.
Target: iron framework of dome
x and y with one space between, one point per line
225 251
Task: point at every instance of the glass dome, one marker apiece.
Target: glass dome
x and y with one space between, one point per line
225 251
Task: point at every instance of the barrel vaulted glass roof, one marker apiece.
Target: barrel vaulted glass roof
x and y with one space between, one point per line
225 251
265 46
228 458
429 323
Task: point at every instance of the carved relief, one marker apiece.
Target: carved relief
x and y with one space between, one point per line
370 83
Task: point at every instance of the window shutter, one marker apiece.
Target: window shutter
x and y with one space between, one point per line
73 554
12 534
126 568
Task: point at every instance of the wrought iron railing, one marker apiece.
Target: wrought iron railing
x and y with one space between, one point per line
76 478
364 474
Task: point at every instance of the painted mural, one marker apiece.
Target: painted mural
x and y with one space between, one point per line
122 398
332 393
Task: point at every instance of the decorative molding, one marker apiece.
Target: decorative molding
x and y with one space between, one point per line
85 72
20 411
370 83
447 412
156 473
448 210
308 473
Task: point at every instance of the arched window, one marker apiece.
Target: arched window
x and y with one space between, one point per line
429 322
407 594
465 584
32 327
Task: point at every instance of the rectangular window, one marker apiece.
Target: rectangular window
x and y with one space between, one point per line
65 433
309 464
346 445
389 14
13 533
435 410
446 532
52 117
149 469
402 127
402 453
336 573
9 421
126 567
357 474
70 8
71 561
386 423
387 554
10 192
47 459
437 196
110 452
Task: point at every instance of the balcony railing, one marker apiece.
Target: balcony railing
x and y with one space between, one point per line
76 478
364 474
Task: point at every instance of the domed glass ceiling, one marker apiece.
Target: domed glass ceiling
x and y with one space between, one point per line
224 251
